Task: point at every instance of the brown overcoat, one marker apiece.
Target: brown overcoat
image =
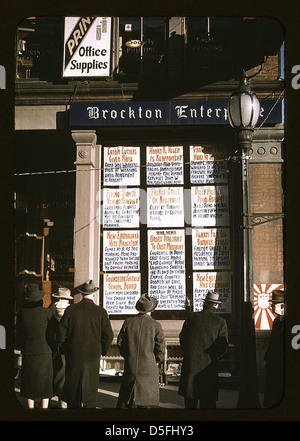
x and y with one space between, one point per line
142 344
203 338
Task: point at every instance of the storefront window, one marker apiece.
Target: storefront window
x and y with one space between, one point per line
209 46
166 226
142 45
39 48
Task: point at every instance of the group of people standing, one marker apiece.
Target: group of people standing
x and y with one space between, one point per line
62 346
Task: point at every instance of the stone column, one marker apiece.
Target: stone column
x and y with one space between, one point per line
87 221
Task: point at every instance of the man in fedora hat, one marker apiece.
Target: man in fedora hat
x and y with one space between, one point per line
84 334
142 344
203 338
61 300
274 356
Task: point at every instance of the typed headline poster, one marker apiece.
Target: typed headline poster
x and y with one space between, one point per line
121 250
166 257
212 281
210 205
121 208
121 165
164 165
211 248
165 207
121 292
207 165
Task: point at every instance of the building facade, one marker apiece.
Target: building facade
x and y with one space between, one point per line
126 165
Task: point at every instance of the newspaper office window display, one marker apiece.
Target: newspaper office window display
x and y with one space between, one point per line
121 244
148 231
166 256
121 165
210 222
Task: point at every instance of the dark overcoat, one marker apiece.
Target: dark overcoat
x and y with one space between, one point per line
32 337
203 338
59 361
274 357
142 344
84 334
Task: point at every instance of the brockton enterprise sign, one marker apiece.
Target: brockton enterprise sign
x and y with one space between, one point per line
139 113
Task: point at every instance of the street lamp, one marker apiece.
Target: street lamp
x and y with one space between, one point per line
243 113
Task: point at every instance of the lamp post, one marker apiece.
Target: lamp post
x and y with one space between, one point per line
243 114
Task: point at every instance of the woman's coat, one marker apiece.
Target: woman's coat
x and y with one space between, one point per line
141 342
203 338
32 337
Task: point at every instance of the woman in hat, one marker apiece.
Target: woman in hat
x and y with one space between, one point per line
142 344
32 326
61 300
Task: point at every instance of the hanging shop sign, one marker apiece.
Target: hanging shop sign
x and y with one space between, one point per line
149 113
166 275
87 47
219 281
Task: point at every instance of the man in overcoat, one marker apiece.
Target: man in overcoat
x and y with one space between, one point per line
142 344
203 338
274 357
84 334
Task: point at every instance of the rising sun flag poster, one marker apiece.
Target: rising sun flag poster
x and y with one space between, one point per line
263 315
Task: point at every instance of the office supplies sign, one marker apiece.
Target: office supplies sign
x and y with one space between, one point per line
87 43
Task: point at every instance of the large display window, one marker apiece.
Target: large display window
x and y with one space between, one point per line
166 226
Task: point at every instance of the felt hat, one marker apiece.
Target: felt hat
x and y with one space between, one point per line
33 293
277 296
87 287
146 303
212 297
63 293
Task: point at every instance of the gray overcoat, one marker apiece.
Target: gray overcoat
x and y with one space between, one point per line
142 344
84 333
203 338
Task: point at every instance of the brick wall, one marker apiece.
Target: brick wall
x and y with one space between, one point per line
267 238
270 70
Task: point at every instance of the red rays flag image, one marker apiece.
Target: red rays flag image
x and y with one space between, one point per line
263 315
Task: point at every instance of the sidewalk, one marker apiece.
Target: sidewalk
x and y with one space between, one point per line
109 390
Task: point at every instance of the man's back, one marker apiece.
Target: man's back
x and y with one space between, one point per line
85 329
